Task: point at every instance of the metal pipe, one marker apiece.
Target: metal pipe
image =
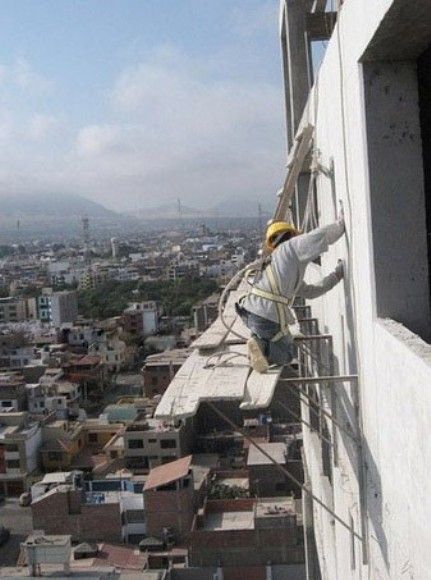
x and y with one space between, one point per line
301 420
304 337
283 470
322 410
326 379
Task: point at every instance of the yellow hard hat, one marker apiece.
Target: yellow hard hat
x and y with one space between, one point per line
277 228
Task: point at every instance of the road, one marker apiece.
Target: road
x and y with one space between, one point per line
18 520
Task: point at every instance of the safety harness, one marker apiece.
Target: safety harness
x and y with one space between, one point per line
282 304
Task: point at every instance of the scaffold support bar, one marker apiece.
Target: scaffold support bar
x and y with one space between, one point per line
325 379
301 420
305 337
283 470
313 403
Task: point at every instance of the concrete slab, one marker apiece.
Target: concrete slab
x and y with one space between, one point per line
229 521
260 389
227 380
195 382
278 452
212 337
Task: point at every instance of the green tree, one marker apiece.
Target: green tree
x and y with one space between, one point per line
177 297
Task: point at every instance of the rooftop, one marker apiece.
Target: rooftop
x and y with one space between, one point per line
102 497
175 356
276 450
8 379
278 507
88 360
168 473
58 477
120 413
240 520
122 557
37 540
242 482
7 430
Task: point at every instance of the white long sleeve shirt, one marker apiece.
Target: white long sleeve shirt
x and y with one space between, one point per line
289 262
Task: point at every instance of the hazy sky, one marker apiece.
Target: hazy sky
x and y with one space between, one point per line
135 103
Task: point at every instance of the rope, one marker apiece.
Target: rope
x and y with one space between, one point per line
225 361
237 278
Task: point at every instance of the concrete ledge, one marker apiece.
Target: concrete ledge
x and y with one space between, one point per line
410 340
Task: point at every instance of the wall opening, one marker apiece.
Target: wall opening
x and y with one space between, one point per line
395 125
424 80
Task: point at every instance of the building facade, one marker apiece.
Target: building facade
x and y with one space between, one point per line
20 441
368 112
159 370
246 533
57 308
150 442
169 499
12 310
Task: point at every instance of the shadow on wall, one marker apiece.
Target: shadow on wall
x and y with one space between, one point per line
372 500
371 495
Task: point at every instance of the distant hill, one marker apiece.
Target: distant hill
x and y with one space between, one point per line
242 206
167 211
239 207
50 205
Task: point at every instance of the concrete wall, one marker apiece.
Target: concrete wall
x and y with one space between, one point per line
283 572
244 547
392 400
397 193
170 509
64 513
32 445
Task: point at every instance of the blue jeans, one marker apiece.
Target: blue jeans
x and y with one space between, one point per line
278 353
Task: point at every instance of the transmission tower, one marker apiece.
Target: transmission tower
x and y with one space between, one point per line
180 213
259 217
86 236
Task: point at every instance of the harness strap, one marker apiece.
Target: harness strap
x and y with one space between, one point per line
280 305
270 296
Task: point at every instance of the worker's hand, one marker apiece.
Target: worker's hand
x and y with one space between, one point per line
339 270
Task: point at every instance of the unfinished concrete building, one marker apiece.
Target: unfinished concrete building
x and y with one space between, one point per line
358 130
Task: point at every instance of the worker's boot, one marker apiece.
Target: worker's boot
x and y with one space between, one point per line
257 358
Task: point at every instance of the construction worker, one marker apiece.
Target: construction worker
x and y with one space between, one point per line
266 309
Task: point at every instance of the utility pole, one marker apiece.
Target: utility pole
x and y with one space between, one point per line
180 213
259 217
86 236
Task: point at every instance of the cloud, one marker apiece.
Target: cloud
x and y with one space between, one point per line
206 127
3 74
27 78
21 75
178 134
41 126
96 139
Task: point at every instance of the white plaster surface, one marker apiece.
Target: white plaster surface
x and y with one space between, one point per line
219 378
394 366
218 332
